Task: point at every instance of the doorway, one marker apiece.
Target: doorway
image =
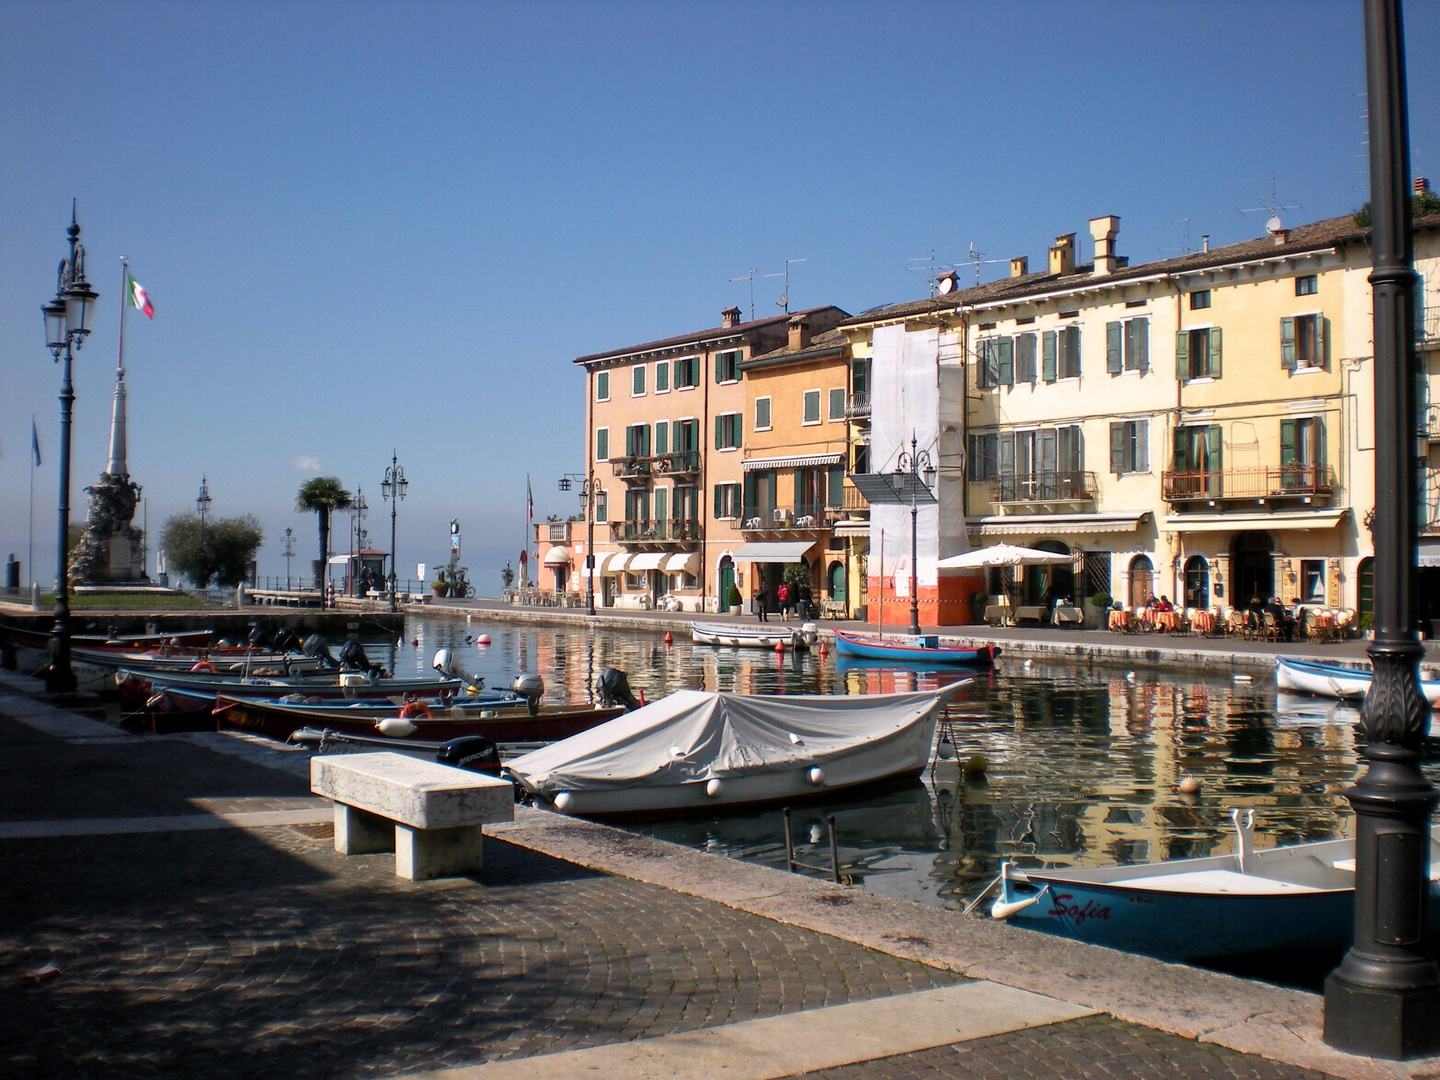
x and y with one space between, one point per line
1252 569
838 582
1197 582
727 578
1044 584
1142 580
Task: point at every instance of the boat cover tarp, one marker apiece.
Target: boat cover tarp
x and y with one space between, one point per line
695 734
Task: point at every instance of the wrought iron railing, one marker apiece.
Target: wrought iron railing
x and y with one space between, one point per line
1259 482
1430 501
674 530
857 406
676 463
797 518
1076 486
1430 422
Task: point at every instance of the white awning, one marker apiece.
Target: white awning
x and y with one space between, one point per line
687 562
601 559
339 560
618 562
850 527
1060 524
799 462
559 555
1302 519
1430 553
646 560
778 551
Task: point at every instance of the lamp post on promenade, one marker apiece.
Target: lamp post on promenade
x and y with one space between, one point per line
289 554
1384 999
67 323
360 509
913 468
393 488
202 502
587 501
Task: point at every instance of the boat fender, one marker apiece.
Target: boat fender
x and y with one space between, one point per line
205 666
395 727
1188 785
816 776
714 787
945 750
1002 909
1244 821
563 801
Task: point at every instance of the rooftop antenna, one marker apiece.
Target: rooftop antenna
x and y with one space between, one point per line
977 259
1187 248
750 277
1268 203
784 301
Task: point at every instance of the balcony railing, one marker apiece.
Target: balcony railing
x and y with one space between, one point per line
674 530
676 463
857 406
1429 327
1430 502
1260 482
1430 422
852 499
802 517
1041 487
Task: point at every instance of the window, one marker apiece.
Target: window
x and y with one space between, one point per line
602 506
1199 299
861 462
1025 358
811 410
984 455
635 582
727 366
1307 285
637 505
602 386
860 376
1130 447
727 431
727 500
662 437
662 510
1197 354
1312 580
1097 573
1060 354
687 372
662 377
997 362
637 440
1070 449
1302 453
837 403
637 380
602 444
1303 343
1127 345
687 506
687 436
762 414
1197 460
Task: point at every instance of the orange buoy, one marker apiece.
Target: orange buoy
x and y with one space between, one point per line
823 650
483 639
779 646
204 665
668 639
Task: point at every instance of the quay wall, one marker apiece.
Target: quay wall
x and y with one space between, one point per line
234 624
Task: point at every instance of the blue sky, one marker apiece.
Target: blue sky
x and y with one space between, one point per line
371 225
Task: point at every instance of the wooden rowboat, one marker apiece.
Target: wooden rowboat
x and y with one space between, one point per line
925 650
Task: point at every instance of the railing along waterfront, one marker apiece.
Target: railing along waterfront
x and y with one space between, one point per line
677 463
675 529
1259 482
1070 486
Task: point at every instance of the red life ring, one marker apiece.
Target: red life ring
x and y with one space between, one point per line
204 665
414 708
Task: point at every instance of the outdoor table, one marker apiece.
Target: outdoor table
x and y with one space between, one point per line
1203 622
1119 620
1167 621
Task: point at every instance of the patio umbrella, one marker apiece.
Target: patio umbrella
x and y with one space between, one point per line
1004 555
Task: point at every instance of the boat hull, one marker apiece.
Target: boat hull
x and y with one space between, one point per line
1333 680
854 647
748 637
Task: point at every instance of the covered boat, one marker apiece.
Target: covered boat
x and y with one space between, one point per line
1300 896
697 750
761 636
925 649
1336 680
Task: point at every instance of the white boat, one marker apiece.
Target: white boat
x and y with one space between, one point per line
698 750
1336 680
752 637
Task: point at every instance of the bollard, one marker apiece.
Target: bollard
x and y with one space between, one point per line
789 842
834 851
34 596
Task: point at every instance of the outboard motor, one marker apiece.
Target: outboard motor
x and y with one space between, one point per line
316 646
353 658
285 641
532 688
256 637
447 665
613 688
472 752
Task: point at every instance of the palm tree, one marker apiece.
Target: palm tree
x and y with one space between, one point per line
322 495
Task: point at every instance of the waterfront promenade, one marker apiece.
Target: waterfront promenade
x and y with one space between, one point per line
187 891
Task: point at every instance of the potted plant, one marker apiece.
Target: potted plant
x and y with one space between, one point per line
734 600
978 602
440 588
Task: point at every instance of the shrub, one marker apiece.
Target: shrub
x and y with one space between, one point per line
1102 600
733 597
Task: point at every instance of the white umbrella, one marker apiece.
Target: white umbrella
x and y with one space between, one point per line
1003 555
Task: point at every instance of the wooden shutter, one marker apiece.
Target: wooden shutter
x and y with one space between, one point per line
1287 443
1113 348
1005 365
644 440
1047 359
602 444
1287 344
662 497
1117 448
1212 449
1182 462
1140 342
1322 355
837 486
1142 445
1045 451
1025 358
630 441
1182 355
1319 441
718 431
1007 455
1215 352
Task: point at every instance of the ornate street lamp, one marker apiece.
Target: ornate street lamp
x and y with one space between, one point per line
392 489
203 501
587 505
1384 999
289 542
913 471
67 323
358 509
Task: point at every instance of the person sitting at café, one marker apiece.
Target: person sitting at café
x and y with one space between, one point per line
1163 604
1284 621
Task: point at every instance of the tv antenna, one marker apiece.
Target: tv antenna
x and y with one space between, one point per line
930 268
784 301
750 277
1186 249
1268 203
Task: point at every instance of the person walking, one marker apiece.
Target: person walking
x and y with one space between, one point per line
762 604
803 601
783 595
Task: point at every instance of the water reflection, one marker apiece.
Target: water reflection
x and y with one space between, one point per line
1084 762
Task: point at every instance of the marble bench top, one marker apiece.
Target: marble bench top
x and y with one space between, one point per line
421 794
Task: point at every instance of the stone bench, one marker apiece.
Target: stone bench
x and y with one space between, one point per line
429 814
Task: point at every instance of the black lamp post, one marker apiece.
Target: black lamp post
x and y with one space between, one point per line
587 500
360 508
1384 999
289 542
67 322
393 488
911 470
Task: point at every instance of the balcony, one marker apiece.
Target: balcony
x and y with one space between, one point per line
677 463
1430 423
1430 502
1041 488
790 520
1304 482
672 531
1428 335
857 407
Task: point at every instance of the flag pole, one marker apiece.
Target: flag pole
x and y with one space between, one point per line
34 443
124 281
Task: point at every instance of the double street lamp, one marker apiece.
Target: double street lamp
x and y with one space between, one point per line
914 473
359 508
67 323
392 489
587 504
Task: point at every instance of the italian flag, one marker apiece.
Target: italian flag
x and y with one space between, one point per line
136 297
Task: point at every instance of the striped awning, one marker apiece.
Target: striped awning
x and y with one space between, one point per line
798 462
1061 524
1300 519
618 562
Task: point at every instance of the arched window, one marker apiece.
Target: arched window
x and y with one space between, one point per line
837 581
1142 580
1197 582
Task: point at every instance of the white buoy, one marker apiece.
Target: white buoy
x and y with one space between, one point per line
1240 678
713 787
563 801
1129 676
946 750
817 832
395 727
1188 785
1029 663
483 639
816 776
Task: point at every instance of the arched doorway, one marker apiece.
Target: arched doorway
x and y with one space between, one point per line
1365 592
1197 582
1044 583
1252 570
837 581
727 578
1142 580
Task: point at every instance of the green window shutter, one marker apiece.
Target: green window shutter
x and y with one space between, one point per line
662 375
719 431
1113 359
630 441
1287 344
1212 448
739 428
602 386
1319 441
749 492
1142 445
662 510
662 437
1047 361
1287 443
1045 450
1007 455
602 444
1025 358
1215 351
1140 328
1182 355
1117 448
1182 462
719 510
1006 363
1322 354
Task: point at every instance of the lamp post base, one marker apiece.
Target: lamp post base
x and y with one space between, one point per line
1389 1024
59 682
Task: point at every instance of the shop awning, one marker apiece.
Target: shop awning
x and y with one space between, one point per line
618 562
687 562
1061 524
601 559
1430 553
850 527
778 551
799 462
559 555
1270 522
646 560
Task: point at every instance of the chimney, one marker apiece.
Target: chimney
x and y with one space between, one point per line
1204 242
1421 185
1062 255
1104 230
799 332
730 317
1020 266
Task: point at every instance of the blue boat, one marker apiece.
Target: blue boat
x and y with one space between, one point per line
1293 897
922 650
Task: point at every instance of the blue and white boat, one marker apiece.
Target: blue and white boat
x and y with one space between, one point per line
1336 680
1291 897
925 649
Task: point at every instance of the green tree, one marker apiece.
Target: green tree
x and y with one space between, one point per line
322 496
221 551
1422 204
507 576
